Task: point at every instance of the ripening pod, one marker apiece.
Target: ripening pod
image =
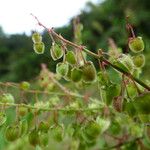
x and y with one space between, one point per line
62 68
44 139
22 111
24 127
58 133
24 85
70 57
3 118
43 126
112 91
117 103
12 133
139 60
68 76
136 44
126 62
56 51
34 137
39 48
89 72
76 74
36 37
92 129
7 98
142 103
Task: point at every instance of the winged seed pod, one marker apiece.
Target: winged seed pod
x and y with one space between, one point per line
139 60
62 68
70 57
36 37
89 72
56 51
76 74
39 48
136 45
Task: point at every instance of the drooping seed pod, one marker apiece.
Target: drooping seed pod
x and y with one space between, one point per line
76 74
24 85
139 60
22 111
68 76
43 126
39 48
70 57
89 72
12 133
36 37
7 98
24 127
127 62
136 45
56 51
34 137
62 68
117 103
3 118
58 133
44 139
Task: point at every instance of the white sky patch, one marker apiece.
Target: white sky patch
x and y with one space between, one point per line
15 14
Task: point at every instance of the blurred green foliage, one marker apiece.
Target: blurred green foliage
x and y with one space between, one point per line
101 21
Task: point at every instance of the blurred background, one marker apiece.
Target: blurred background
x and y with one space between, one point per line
101 19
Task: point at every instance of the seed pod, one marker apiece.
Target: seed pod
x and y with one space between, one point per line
44 139
139 60
68 76
43 126
142 104
92 129
12 133
117 103
76 74
7 98
39 48
58 133
56 51
34 137
126 63
70 58
3 118
136 44
36 37
89 72
62 69
22 111
24 127
24 85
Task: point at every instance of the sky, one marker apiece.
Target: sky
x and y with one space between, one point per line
15 14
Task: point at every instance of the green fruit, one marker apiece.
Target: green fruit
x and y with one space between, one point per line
7 98
70 57
58 133
92 130
22 111
43 126
3 118
139 60
25 85
34 137
44 139
76 74
56 51
136 44
112 91
68 76
24 127
62 69
39 48
12 133
142 103
89 72
126 63
36 37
